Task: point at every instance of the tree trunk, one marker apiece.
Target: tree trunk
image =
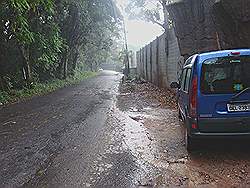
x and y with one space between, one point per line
166 16
25 51
91 66
64 65
75 58
2 87
166 24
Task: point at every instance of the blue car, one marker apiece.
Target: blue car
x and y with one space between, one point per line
214 95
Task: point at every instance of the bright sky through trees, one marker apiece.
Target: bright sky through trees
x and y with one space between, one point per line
139 32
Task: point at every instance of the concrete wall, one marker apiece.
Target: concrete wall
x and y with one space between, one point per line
140 64
160 60
155 65
149 75
133 60
174 58
145 75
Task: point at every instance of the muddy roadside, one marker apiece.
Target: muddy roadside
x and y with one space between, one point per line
155 137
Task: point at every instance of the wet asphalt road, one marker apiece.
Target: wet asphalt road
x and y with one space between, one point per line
58 140
92 135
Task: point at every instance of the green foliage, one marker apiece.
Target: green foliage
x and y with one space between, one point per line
44 40
42 88
22 12
4 97
20 26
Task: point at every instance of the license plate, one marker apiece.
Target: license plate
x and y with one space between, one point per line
238 107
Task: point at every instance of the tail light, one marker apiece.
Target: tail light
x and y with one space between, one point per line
194 126
193 97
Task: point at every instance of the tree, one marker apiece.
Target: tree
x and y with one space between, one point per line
154 11
44 39
30 30
85 24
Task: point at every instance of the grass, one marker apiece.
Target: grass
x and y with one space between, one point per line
42 88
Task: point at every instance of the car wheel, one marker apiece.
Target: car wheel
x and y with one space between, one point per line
190 142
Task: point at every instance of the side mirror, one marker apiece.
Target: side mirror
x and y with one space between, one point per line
175 85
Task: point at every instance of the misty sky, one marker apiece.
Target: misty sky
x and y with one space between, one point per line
139 32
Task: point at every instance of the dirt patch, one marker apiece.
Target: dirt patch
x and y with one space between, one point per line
143 94
156 137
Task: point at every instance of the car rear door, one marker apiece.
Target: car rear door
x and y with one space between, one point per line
221 79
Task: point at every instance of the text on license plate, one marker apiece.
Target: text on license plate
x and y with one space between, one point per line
238 107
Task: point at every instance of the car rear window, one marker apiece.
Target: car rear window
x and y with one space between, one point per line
225 75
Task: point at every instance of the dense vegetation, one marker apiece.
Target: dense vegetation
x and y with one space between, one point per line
44 40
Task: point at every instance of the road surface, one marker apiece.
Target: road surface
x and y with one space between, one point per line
57 140
92 135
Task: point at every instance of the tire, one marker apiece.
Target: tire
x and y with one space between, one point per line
190 143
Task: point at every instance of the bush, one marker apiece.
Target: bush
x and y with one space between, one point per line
42 88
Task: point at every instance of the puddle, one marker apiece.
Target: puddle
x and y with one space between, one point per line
133 109
138 140
147 109
125 94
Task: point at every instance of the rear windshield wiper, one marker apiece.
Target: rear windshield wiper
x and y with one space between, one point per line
240 93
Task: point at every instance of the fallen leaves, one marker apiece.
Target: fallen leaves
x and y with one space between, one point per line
164 96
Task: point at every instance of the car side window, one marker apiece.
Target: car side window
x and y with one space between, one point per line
187 80
183 77
188 61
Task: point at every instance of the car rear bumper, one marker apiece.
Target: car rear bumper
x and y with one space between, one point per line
219 135
221 127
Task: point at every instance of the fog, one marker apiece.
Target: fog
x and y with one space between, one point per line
139 32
